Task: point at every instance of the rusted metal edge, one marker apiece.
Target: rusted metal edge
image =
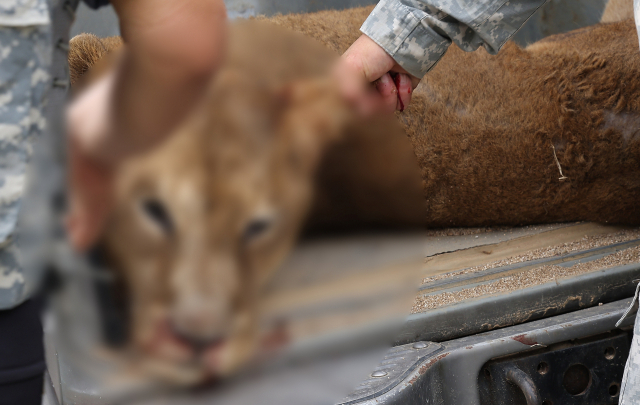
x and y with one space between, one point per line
450 376
506 309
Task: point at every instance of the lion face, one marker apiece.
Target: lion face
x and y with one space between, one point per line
202 221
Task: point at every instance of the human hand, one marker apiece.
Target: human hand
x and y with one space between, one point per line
366 62
172 50
90 177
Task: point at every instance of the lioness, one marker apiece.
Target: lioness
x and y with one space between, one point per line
542 134
201 222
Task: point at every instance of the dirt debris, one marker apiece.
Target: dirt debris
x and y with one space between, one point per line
586 243
469 231
539 275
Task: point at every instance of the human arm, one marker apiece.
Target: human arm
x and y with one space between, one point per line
414 34
172 50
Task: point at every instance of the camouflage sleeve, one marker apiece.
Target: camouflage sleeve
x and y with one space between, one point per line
23 13
416 33
25 56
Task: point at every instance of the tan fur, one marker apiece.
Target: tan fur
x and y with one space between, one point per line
85 52
485 135
484 129
337 30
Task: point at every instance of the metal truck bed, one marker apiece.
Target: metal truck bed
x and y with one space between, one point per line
538 295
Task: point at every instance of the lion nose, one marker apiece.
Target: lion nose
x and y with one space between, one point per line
198 327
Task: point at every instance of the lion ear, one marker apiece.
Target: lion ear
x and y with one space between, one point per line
313 117
85 51
314 109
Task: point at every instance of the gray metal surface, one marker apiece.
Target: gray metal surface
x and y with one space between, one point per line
551 298
566 260
396 365
83 373
449 375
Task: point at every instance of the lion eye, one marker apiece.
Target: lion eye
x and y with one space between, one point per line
255 229
156 211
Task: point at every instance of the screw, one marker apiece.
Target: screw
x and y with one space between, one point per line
420 345
379 373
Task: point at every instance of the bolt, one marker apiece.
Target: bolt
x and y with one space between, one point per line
420 345
379 373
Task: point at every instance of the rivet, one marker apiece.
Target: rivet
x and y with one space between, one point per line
419 345
379 373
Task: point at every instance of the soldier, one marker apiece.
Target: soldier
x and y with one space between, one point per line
403 39
173 49
25 56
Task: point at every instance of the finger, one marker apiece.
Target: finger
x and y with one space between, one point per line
359 93
90 200
368 58
404 91
388 93
415 81
352 87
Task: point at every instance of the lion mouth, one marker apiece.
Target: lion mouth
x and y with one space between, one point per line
200 346
172 345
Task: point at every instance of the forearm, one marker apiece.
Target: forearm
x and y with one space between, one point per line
416 33
172 50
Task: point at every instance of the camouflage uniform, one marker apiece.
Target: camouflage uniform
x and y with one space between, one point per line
25 57
416 33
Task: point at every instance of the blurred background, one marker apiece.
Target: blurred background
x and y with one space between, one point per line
555 17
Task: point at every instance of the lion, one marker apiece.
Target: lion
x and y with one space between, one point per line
201 222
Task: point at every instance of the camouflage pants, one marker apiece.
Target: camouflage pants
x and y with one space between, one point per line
25 56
